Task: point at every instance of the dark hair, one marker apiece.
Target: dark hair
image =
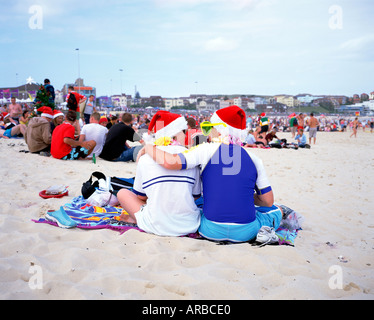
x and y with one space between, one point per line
126 117
191 122
71 87
71 115
312 114
46 81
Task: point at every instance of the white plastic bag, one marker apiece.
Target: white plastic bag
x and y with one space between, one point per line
103 196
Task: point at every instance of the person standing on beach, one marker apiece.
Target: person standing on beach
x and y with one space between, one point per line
355 125
89 109
15 110
313 124
152 204
238 198
50 90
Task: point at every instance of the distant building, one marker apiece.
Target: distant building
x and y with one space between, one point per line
289 101
22 92
153 101
79 87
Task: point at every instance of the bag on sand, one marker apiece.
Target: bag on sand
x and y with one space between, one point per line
103 191
103 195
88 188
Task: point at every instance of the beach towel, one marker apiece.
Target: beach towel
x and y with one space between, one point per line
92 217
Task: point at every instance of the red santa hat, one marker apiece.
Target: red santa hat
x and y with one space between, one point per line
235 120
4 115
57 113
166 124
46 112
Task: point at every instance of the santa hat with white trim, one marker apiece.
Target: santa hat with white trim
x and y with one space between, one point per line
166 124
57 113
235 120
46 112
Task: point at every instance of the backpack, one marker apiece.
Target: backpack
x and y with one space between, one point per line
89 187
72 102
295 123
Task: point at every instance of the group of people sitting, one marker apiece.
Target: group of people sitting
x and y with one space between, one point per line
238 198
264 135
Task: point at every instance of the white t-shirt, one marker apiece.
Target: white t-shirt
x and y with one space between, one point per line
97 132
170 208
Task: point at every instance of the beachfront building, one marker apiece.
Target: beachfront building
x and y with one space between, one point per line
208 105
119 101
306 99
173 102
371 96
153 101
289 101
21 93
365 107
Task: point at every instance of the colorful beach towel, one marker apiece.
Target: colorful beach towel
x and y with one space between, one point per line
92 217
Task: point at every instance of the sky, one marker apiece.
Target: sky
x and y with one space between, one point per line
175 48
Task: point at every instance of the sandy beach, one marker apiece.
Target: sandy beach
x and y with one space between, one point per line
333 256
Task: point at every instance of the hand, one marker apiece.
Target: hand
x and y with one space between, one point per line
140 153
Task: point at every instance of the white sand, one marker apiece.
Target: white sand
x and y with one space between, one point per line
330 185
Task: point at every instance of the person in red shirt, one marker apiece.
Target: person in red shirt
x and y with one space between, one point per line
64 146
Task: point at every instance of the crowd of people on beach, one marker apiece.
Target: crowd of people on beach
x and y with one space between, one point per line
185 155
92 127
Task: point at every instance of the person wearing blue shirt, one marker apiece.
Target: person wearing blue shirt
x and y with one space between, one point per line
301 138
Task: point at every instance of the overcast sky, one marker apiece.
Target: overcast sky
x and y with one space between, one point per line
180 47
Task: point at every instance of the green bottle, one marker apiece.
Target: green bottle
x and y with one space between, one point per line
94 158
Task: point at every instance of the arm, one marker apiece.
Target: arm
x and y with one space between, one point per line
264 200
167 160
73 143
82 137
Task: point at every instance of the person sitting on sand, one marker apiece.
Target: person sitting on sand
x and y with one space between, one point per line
301 138
11 130
238 198
64 146
38 134
94 131
152 204
116 147
58 118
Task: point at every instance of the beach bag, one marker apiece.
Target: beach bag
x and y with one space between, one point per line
89 187
72 102
103 195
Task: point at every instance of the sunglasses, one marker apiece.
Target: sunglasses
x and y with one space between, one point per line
206 127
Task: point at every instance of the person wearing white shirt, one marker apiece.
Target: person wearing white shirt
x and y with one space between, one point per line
162 201
94 131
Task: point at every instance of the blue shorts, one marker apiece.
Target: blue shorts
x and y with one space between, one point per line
217 231
8 133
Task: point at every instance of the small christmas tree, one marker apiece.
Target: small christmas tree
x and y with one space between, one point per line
43 99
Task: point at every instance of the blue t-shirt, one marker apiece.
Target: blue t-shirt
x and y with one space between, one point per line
230 176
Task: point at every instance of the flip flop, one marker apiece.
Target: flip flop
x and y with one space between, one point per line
48 196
